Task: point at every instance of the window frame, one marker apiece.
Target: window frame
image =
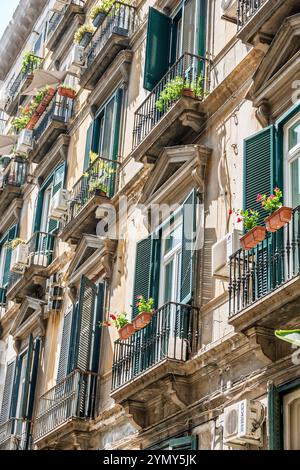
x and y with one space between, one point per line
290 155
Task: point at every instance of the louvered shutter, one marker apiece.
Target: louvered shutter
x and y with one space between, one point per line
64 347
86 312
180 443
11 236
16 385
188 247
38 210
274 418
88 145
7 393
142 271
57 184
96 331
189 19
29 356
157 47
33 378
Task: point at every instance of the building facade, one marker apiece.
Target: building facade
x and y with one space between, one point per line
120 167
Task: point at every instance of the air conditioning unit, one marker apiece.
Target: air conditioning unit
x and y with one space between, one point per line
59 205
221 252
25 140
77 58
55 293
229 10
243 423
19 258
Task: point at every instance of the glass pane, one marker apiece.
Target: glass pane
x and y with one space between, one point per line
168 282
108 130
294 135
189 27
295 180
173 239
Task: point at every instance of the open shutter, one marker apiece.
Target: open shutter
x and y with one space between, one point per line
27 378
11 236
189 20
274 418
16 385
202 28
157 47
38 210
7 393
33 378
88 145
188 247
58 183
64 347
117 123
96 331
85 315
259 161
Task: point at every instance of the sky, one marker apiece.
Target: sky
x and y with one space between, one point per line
7 8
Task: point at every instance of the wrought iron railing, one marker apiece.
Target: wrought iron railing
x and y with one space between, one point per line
25 72
14 174
119 20
174 333
60 109
189 72
74 397
56 17
99 179
3 291
15 434
246 9
260 271
3 123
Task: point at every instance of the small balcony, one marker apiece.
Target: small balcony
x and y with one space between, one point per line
14 435
12 178
30 278
59 22
53 122
95 187
19 84
3 291
265 281
263 17
69 402
176 119
112 36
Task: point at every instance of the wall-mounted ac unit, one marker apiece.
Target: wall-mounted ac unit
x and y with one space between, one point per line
229 10
55 293
19 258
25 140
243 423
59 205
221 252
77 58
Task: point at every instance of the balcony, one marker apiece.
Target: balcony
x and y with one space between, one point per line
263 17
66 407
95 187
19 84
60 22
3 296
30 279
265 281
53 122
111 37
12 179
177 120
14 435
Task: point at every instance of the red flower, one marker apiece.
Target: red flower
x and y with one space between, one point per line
263 203
113 317
138 304
239 220
259 196
230 212
139 297
272 196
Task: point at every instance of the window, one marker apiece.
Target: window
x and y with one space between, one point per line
292 162
291 420
5 255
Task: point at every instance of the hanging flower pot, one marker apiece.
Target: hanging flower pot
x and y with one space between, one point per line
188 93
126 331
85 40
67 92
33 120
141 320
279 218
253 237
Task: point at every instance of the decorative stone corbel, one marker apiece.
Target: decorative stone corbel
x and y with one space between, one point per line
93 110
107 259
199 169
262 341
263 113
17 344
191 119
125 72
41 324
73 293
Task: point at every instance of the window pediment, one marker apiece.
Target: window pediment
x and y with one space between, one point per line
29 318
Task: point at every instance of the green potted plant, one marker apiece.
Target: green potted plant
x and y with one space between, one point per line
254 233
121 323
279 215
30 62
97 187
98 12
67 91
177 87
145 312
84 34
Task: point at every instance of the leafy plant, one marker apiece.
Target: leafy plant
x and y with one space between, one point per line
249 217
15 242
116 320
20 122
174 88
85 28
144 305
30 59
271 203
93 157
95 184
67 87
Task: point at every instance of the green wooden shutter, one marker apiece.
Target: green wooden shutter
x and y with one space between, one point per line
7 393
38 210
274 418
96 331
188 247
29 356
64 347
259 162
57 183
11 236
86 312
202 28
117 123
88 146
33 378
16 384
157 47
180 443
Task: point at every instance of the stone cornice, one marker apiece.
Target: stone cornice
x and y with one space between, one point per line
11 215
56 154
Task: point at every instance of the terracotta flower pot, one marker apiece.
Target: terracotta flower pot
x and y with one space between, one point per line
279 218
253 237
33 120
142 320
127 331
67 92
188 92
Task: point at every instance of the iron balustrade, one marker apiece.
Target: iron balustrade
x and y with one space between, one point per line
99 179
260 271
15 174
3 291
74 397
15 434
190 72
174 333
28 69
56 17
60 109
119 20
246 9
3 123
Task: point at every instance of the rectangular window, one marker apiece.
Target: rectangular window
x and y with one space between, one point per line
291 420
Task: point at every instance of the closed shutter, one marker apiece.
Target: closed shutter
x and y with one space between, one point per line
157 47
88 145
274 418
96 331
16 385
33 378
7 393
57 184
64 347
11 236
180 443
29 356
188 247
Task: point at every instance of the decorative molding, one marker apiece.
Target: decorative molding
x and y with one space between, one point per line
11 215
56 154
23 325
